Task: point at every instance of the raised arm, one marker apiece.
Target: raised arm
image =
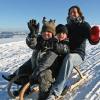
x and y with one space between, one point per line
31 39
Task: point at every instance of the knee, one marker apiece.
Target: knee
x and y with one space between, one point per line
45 80
46 76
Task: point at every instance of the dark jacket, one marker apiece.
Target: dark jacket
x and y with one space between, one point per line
78 33
62 47
52 44
49 49
63 50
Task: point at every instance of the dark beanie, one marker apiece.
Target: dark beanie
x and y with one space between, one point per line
61 29
48 26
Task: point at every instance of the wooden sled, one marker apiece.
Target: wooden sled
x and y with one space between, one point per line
10 84
36 89
74 86
22 93
82 79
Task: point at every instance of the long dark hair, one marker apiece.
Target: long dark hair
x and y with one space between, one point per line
78 9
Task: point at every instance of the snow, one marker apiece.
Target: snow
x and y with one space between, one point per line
13 38
14 54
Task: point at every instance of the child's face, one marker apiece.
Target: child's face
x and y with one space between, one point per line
47 35
61 36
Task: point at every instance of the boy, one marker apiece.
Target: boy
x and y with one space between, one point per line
42 57
61 49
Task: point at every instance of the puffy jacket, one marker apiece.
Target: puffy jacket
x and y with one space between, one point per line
46 48
52 44
78 33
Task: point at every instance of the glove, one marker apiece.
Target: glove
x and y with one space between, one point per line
33 27
51 43
94 35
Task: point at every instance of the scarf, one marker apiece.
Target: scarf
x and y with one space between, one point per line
76 20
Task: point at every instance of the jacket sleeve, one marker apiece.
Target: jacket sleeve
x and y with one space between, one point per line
31 41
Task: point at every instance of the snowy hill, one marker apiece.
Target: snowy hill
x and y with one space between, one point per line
14 54
9 34
6 34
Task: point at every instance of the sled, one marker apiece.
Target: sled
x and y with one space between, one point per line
82 79
11 84
35 89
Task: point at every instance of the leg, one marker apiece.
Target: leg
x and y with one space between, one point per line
26 68
65 71
44 62
45 74
19 77
45 81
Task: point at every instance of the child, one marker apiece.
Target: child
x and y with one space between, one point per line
42 57
61 49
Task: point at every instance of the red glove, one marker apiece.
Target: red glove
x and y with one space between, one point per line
94 34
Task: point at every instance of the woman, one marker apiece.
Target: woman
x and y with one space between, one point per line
79 31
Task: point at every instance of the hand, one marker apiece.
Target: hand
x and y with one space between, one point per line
52 43
33 26
94 35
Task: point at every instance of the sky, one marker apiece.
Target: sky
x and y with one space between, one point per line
14 14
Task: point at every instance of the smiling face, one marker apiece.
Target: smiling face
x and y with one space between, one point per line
61 36
47 35
74 13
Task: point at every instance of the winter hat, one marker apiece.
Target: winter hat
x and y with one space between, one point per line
48 26
61 29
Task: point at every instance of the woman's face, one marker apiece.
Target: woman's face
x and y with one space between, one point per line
74 13
47 35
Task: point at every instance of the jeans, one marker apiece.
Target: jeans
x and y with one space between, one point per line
71 60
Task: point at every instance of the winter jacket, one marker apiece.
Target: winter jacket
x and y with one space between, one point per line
52 44
78 33
48 49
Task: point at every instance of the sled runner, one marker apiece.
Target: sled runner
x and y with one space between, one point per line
35 89
74 86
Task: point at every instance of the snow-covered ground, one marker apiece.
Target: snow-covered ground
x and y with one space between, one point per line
14 54
12 39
